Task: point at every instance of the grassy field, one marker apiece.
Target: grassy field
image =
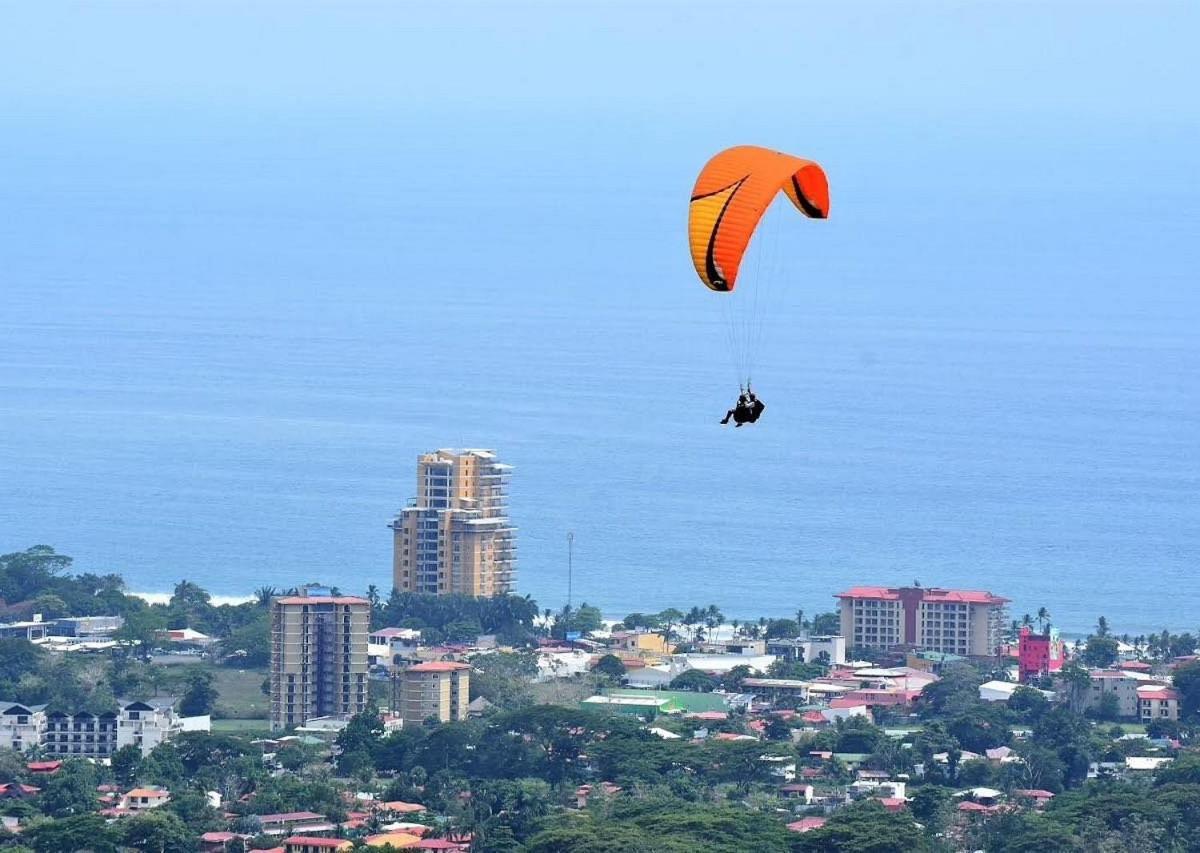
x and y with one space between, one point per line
241 727
241 693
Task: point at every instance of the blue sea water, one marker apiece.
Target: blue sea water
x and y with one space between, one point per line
225 336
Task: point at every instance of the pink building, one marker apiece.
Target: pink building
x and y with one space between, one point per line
1038 654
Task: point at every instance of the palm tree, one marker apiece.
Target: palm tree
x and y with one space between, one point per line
800 618
1043 618
264 594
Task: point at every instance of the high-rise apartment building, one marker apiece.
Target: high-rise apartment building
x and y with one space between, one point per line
318 657
436 689
455 536
954 621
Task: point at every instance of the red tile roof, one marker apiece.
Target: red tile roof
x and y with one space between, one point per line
439 666
1033 793
1164 693
893 804
975 807
933 594
401 807
806 824
25 789
321 599
318 842
43 766
218 837
289 817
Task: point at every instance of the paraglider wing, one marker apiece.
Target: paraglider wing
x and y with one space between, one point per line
732 193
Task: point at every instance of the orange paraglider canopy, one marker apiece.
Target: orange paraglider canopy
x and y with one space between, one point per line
732 193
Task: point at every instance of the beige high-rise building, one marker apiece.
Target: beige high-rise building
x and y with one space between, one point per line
963 622
455 536
435 689
318 657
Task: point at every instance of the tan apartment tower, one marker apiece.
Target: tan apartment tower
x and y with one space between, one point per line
963 622
318 657
455 537
436 689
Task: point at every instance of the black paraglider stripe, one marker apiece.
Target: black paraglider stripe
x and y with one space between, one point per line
710 266
721 190
810 209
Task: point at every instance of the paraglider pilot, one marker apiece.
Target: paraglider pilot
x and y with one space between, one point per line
748 409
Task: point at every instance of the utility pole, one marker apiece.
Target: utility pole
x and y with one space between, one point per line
570 571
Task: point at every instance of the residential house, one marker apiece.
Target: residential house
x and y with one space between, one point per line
142 799
776 690
288 823
641 642
734 646
396 839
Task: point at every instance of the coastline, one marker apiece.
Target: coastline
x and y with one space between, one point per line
165 598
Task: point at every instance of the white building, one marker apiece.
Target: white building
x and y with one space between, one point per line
146 724
21 726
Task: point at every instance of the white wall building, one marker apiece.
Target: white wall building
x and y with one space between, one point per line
21 726
146 724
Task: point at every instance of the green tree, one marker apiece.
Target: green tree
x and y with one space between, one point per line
201 696
141 631
85 833
954 693
1187 682
26 573
986 726
70 791
932 806
1028 704
1108 708
125 764
18 658
1100 651
504 678
695 680
250 644
49 606
158 831
864 828
587 618
826 624
610 668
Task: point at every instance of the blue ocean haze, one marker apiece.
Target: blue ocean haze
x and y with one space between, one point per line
255 260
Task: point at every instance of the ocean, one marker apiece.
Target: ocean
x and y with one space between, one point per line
220 356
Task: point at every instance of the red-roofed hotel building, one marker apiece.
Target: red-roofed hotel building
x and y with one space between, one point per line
954 621
318 657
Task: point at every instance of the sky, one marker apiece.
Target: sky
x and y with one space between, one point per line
1039 158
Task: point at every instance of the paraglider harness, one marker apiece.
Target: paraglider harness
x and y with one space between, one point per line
748 409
